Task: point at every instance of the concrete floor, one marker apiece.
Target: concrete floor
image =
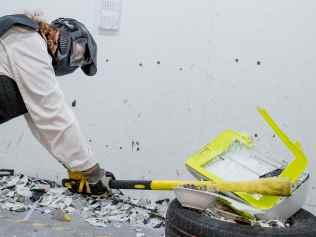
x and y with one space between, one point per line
45 226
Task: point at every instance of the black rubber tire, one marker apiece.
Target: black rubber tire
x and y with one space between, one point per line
11 102
187 222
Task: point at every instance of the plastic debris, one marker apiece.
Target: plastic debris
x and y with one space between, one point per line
232 217
37 193
18 207
271 223
23 191
60 215
97 222
140 234
20 193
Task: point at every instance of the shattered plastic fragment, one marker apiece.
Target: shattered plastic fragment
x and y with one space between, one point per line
140 234
271 224
156 223
12 182
23 191
213 213
61 215
47 211
36 195
18 207
96 222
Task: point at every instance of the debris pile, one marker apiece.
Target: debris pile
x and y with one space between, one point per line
223 212
20 193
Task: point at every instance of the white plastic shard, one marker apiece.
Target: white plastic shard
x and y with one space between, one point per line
140 234
96 222
23 191
18 207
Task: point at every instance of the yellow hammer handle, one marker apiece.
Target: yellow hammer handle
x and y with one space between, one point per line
266 186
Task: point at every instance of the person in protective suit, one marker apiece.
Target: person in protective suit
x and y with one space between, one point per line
32 54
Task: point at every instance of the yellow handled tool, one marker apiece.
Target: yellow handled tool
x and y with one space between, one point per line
265 186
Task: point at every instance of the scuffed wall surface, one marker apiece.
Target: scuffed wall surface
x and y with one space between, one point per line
178 73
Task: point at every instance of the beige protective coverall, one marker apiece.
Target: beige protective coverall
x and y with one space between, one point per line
24 58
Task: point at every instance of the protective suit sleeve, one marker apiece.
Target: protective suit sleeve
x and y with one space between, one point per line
50 118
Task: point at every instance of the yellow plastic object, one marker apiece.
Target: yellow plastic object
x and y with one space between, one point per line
67 217
222 143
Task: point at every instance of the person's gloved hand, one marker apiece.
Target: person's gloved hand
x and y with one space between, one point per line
99 181
95 181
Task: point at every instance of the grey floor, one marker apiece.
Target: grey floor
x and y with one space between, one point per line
11 225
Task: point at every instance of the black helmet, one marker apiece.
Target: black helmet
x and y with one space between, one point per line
77 48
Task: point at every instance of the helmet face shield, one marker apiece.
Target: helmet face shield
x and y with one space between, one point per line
78 53
77 48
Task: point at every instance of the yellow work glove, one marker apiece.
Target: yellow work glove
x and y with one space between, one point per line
96 181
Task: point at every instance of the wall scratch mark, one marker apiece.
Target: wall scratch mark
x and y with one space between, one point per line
20 138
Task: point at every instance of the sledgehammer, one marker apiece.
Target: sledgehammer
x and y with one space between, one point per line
279 186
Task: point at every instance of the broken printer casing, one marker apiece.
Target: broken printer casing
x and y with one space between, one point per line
232 157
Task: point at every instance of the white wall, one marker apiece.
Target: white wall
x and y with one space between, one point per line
173 112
